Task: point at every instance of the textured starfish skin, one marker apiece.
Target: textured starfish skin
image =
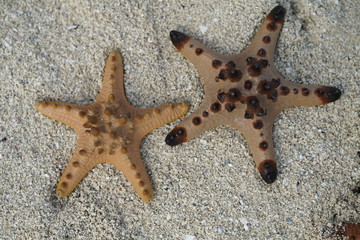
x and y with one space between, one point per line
245 91
109 131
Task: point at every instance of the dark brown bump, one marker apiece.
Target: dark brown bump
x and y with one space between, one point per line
113 58
179 39
64 184
229 107
253 101
176 136
137 175
250 60
87 125
235 75
92 119
132 166
328 94
95 131
248 85
263 145
199 51
205 114
268 170
266 39
141 184
100 151
264 85
68 176
216 63
261 52
222 74
276 82
145 192
273 95
233 95
76 164
221 96
254 70
258 124
196 121
97 143
82 152
68 108
295 91
231 64
191 46
113 68
263 63
261 112
215 107
248 115
284 90
256 67
305 91
271 27
268 88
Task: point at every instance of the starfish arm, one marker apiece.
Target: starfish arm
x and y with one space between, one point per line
293 95
81 162
258 135
205 60
112 89
150 119
198 122
131 165
71 114
265 39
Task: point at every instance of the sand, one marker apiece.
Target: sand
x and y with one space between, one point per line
207 188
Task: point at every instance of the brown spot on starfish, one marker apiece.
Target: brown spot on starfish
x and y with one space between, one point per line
109 130
261 92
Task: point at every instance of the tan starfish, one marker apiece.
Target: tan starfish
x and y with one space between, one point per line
246 92
109 131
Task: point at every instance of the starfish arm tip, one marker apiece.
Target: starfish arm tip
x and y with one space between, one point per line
183 107
176 136
178 39
147 198
268 170
277 13
61 193
328 94
40 105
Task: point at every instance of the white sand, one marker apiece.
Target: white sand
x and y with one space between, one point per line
207 188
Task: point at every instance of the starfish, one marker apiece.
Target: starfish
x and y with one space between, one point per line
245 91
109 130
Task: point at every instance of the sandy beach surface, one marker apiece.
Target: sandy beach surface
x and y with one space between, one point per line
207 188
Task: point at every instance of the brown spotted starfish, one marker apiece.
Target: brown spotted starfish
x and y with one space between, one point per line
245 91
109 131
